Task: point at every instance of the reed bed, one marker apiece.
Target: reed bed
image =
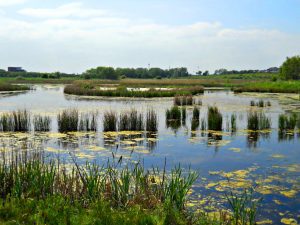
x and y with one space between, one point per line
68 120
16 121
151 121
258 121
215 119
41 123
131 121
261 103
110 121
287 123
88 122
92 90
233 123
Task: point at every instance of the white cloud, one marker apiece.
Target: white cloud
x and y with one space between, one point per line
68 10
73 38
4 3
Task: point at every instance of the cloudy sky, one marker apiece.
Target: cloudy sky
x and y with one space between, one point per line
72 36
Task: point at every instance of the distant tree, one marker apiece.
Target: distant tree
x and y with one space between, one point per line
199 73
290 69
206 73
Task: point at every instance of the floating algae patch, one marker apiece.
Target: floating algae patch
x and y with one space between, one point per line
264 222
95 148
278 156
289 193
290 221
235 149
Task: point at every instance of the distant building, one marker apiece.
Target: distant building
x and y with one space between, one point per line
15 69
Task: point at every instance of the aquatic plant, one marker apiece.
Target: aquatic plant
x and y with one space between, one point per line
244 207
110 121
173 114
88 122
67 120
183 100
258 121
16 121
183 115
215 119
151 121
195 119
41 123
233 123
131 121
286 123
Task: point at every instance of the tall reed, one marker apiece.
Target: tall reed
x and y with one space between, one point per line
151 121
16 121
88 122
258 121
41 123
110 121
68 120
215 119
287 122
131 121
233 123
183 100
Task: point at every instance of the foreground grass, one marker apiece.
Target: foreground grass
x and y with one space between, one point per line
36 190
272 87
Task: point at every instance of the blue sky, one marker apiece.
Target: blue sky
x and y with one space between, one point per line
73 36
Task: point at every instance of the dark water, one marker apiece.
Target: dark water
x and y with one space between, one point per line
265 159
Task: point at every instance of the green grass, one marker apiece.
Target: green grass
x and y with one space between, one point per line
272 87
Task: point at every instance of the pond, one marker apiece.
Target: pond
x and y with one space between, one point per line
224 159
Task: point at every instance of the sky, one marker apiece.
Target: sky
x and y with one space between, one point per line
73 36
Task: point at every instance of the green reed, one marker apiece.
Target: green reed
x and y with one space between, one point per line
233 123
286 123
195 119
215 119
88 122
151 121
258 121
16 121
41 123
173 114
68 120
131 121
110 121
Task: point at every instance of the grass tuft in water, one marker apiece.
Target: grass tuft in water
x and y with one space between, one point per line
88 122
287 123
41 123
183 100
131 121
16 121
151 121
67 120
215 119
110 121
233 123
258 121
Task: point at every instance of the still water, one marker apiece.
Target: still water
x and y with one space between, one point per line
224 160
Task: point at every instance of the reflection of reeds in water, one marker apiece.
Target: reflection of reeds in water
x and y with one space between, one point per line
67 120
151 121
173 114
258 121
286 123
215 119
16 121
41 123
110 121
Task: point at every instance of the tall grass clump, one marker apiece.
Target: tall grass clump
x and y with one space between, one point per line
287 123
88 122
41 123
233 123
110 121
151 121
258 121
173 114
195 119
68 120
215 119
131 121
244 207
16 121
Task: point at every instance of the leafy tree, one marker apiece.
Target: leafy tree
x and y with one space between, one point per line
206 73
290 69
199 73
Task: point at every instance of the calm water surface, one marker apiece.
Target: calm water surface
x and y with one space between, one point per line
223 159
